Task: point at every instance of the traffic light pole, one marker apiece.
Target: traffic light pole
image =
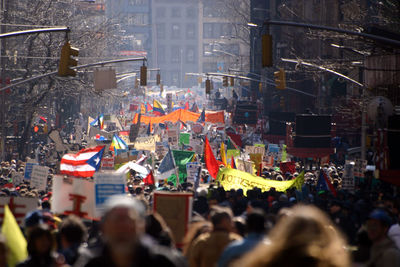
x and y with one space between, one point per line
75 68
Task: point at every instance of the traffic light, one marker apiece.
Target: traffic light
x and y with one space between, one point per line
67 61
280 79
143 75
208 86
266 44
225 81
158 78
232 81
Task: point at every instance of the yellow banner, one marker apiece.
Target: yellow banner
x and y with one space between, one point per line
235 179
147 143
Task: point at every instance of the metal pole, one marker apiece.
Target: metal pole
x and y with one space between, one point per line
3 28
34 31
327 28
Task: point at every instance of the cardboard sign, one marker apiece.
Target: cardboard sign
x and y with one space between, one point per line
176 210
257 159
17 178
348 176
192 169
255 150
107 184
146 143
173 137
39 177
107 164
245 166
268 161
28 168
73 196
19 206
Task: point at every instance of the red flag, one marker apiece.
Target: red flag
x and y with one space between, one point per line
233 165
209 158
149 180
187 106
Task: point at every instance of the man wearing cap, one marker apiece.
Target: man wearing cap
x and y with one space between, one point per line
123 224
384 252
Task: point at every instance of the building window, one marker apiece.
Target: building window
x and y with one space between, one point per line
207 30
138 2
175 77
176 31
175 54
190 54
161 54
176 12
160 12
190 31
160 28
207 50
191 12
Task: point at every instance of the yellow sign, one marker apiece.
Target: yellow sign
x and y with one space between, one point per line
235 179
146 143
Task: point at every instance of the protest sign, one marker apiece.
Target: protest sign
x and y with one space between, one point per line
359 168
348 176
286 167
176 210
19 206
17 178
173 137
107 163
257 159
161 149
184 138
28 168
192 169
236 179
268 161
107 184
39 177
125 157
73 196
232 153
146 143
245 166
273 148
255 150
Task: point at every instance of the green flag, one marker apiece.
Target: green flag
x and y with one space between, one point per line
184 138
232 153
181 159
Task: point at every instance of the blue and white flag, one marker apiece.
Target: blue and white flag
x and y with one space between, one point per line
167 166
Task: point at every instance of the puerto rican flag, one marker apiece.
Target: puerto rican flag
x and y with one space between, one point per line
82 164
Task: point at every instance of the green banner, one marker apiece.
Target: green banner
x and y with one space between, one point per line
184 138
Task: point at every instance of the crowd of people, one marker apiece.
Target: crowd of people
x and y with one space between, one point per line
310 227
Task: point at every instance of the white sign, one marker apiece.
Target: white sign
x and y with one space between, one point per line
173 137
73 196
348 176
107 164
106 185
17 178
255 150
19 206
192 169
39 177
28 168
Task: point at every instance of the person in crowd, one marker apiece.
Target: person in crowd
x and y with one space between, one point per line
72 234
158 230
208 247
123 228
3 251
255 228
305 238
197 227
384 252
41 249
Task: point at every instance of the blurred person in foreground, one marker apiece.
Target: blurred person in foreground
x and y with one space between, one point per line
255 228
123 227
384 252
305 238
208 247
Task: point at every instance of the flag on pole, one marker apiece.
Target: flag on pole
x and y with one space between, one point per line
149 179
209 158
202 117
157 108
223 155
82 164
16 243
149 108
118 144
98 122
167 166
324 184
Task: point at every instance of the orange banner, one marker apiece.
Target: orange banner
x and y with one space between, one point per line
183 115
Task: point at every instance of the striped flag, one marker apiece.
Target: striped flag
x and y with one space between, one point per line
82 164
